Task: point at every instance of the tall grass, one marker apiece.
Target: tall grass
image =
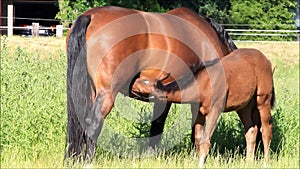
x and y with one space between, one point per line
33 116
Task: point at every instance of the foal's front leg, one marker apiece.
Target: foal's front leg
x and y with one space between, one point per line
197 126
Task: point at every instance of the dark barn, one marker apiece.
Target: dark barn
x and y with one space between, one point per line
28 11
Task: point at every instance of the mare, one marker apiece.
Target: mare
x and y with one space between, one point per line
108 47
241 81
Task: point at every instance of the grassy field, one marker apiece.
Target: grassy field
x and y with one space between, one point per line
33 116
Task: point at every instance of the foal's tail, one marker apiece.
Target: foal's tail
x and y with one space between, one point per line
273 98
78 90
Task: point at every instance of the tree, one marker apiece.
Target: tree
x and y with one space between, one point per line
144 5
216 9
71 9
264 14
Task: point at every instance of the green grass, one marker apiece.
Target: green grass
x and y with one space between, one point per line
33 116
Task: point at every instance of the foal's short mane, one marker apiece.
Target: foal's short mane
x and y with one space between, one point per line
186 79
222 33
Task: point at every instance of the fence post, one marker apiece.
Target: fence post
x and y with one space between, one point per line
59 31
35 29
10 9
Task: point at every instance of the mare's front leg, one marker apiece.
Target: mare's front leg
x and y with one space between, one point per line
160 113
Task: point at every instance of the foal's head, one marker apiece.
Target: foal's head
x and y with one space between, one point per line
145 87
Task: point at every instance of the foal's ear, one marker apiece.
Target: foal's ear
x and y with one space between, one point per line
165 77
158 83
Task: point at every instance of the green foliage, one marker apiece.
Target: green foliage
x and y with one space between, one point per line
217 9
32 103
144 5
229 135
264 15
70 10
286 112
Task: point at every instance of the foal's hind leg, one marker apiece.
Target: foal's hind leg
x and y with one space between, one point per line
264 107
250 128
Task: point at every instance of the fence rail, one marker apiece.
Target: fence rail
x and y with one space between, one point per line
20 27
236 32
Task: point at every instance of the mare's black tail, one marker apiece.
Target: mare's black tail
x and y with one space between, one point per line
222 33
78 91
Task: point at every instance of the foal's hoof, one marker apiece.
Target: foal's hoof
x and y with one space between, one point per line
150 150
88 166
266 165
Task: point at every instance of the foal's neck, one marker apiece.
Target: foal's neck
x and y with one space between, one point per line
192 92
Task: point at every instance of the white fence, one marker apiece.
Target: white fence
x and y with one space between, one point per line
236 32
257 32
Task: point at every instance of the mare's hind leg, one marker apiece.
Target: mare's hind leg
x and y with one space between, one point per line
160 112
264 107
250 128
95 119
198 121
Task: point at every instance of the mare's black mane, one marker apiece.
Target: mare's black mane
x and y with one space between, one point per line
222 33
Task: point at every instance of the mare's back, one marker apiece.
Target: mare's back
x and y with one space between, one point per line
202 24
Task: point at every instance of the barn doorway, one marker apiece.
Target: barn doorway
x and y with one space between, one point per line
28 11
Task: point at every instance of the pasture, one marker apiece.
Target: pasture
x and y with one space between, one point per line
33 116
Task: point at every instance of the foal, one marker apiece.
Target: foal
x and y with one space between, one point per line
241 81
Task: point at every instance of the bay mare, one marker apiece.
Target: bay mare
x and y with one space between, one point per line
241 81
109 47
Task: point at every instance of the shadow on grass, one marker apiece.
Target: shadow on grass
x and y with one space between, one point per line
228 140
